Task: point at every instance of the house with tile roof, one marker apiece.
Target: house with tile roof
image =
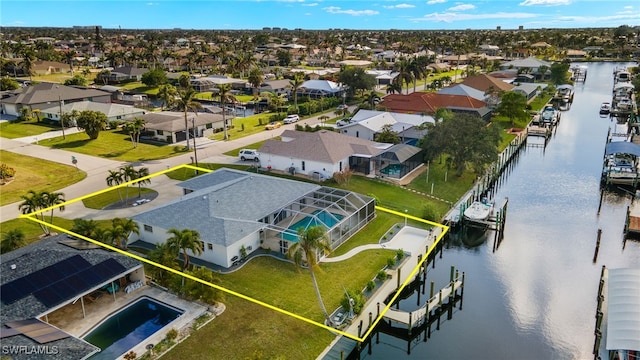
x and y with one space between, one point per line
55 272
429 103
45 94
234 210
464 90
482 82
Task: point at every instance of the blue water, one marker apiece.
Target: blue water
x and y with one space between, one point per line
326 220
129 327
392 170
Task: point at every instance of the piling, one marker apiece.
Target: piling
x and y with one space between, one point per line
595 255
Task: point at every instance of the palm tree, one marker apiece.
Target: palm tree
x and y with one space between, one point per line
141 173
52 199
165 255
404 73
298 80
12 240
224 94
167 93
255 79
84 227
28 57
394 87
128 174
184 240
186 102
134 128
311 241
33 201
122 230
69 55
115 179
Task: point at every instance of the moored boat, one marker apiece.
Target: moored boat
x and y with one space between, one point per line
478 211
550 115
605 108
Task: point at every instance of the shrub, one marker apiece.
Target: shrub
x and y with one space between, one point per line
6 172
358 301
113 124
371 285
381 275
391 262
429 212
400 254
172 334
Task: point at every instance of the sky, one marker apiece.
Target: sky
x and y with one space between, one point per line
321 14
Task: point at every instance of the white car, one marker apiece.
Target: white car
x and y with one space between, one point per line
249 154
343 122
290 119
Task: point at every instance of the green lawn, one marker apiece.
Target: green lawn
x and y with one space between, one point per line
113 144
33 232
139 87
186 174
110 197
35 174
252 125
18 129
371 233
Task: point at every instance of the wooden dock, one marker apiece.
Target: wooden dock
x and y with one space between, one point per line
632 221
415 318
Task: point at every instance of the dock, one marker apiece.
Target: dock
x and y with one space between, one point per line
632 221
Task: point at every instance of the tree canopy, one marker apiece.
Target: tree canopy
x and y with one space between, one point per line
387 135
513 106
92 122
76 80
154 78
466 139
559 73
356 79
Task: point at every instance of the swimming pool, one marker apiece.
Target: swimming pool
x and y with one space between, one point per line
324 217
393 170
130 326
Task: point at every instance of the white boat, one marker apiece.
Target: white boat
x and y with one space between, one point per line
550 115
605 108
478 211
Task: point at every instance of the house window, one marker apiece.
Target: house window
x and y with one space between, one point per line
284 246
159 132
148 228
209 246
249 248
201 246
357 133
209 126
303 166
340 166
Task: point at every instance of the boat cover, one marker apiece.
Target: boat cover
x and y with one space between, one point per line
623 309
623 86
622 147
564 86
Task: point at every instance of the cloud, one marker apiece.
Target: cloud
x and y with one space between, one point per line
545 2
628 7
600 19
338 10
310 4
462 7
449 17
399 6
432 2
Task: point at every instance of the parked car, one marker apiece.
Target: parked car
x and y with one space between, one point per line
273 125
317 176
290 119
342 107
343 122
249 154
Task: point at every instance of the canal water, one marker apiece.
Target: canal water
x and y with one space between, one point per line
535 296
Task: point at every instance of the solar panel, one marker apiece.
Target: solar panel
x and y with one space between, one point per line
74 284
28 284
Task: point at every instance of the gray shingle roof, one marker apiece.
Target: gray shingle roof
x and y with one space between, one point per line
323 146
32 258
49 92
173 121
229 209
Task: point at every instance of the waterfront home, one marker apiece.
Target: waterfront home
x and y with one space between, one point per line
428 103
316 89
237 212
48 275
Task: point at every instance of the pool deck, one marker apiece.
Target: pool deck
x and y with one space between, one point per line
69 318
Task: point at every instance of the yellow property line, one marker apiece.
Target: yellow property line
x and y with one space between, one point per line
31 216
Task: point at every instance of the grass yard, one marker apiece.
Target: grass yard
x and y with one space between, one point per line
451 189
139 88
113 144
35 174
186 174
18 129
33 232
371 233
249 331
252 125
110 197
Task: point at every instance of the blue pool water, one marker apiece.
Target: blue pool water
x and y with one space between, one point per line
327 220
129 327
392 170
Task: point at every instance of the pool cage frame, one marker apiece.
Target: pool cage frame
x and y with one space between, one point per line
356 211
